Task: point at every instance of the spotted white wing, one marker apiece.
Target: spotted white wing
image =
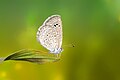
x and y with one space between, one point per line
50 34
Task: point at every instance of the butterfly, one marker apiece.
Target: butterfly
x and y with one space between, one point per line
49 34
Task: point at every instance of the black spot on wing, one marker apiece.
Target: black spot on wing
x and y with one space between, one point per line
55 25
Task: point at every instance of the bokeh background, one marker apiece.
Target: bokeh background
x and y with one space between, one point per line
93 26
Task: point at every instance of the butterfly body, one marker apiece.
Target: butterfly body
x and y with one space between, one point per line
50 34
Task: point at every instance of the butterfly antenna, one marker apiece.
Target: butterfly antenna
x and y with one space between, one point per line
69 45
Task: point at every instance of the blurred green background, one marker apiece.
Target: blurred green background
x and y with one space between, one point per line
93 26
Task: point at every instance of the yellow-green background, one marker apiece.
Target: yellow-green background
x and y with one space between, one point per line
93 26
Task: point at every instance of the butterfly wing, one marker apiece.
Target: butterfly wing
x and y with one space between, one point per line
50 34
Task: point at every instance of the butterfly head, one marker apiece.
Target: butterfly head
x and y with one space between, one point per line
56 51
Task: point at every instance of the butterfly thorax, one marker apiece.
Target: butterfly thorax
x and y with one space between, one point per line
56 51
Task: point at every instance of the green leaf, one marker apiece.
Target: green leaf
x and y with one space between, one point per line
34 56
